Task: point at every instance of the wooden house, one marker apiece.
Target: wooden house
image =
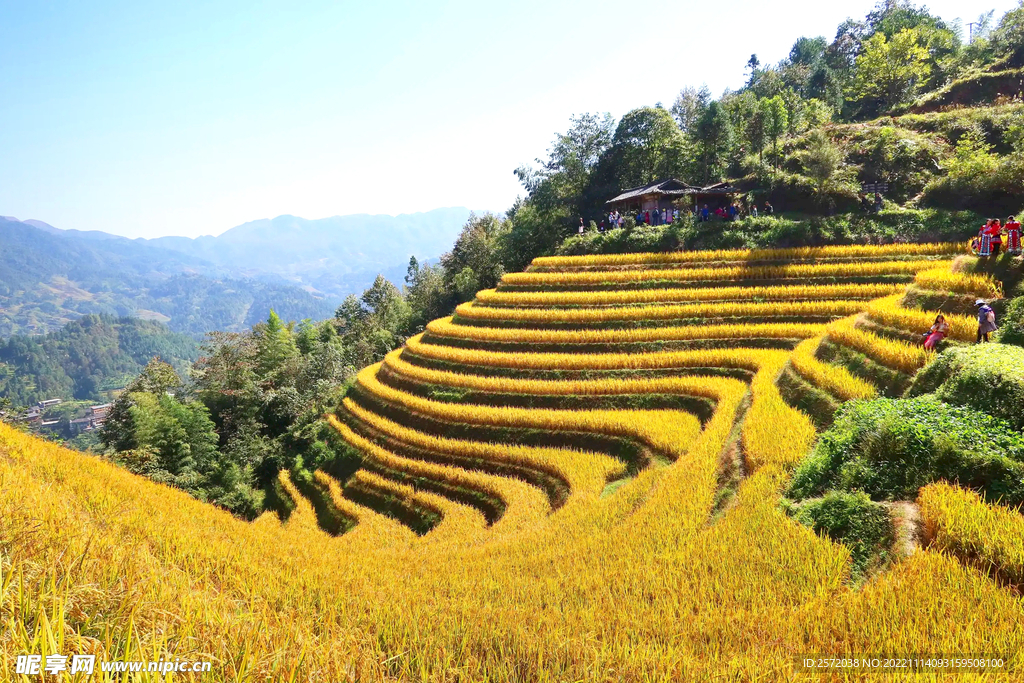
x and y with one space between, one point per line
670 194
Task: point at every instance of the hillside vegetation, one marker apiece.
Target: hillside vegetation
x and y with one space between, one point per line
598 446
86 358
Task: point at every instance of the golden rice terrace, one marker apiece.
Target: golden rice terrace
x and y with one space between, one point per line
574 478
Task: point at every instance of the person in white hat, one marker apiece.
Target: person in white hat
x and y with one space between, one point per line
986 320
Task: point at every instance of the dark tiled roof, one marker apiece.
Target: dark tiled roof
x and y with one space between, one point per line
671 188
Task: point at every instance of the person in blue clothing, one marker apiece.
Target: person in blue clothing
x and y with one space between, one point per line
705 214
986 320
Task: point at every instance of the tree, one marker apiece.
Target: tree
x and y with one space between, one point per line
817 113
808 51
822 159
757 134
156 379
714 138
275 344
1007 39
689 104
889 72
425 293
647 146
564 176
776 120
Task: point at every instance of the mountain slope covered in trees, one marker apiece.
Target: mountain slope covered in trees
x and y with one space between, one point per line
87 357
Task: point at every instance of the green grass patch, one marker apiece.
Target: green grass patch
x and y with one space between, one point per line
853 519
890 448
819 405
985 377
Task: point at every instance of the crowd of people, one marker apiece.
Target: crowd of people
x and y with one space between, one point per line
989 241
668 216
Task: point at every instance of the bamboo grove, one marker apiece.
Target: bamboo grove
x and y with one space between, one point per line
575 477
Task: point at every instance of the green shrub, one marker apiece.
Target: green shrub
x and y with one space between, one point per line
978 88
985 377
978 178
889 448
1011 327
852 519
994 122
903 157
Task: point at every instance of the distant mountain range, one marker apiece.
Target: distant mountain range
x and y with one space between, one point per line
301 268
333 256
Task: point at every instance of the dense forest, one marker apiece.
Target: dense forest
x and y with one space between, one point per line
898 97
87 358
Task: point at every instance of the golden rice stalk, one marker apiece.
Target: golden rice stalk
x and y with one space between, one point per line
893 354
527 505
585 471
458 522
583 316
737 273
946 280
959 521
626 297
749 359
841 251
303 513
96 559
889 312
669 431
774 433
682 386
444 327
383 530
832 378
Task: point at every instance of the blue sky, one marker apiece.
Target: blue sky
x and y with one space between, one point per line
148 119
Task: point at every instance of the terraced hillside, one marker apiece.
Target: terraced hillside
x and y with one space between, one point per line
635 357
576 477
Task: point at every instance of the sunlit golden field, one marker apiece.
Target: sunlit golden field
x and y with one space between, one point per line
581 473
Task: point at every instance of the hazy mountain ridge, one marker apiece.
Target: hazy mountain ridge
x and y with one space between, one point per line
50 278
301 268
336 256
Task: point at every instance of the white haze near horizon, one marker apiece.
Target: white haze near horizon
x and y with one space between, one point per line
192 118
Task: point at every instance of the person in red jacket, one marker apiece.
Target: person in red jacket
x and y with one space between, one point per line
1012 236
996 231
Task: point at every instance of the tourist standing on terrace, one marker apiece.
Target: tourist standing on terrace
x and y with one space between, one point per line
1012 236
938 332
704 214
581 226
995 230
983 242
986 320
